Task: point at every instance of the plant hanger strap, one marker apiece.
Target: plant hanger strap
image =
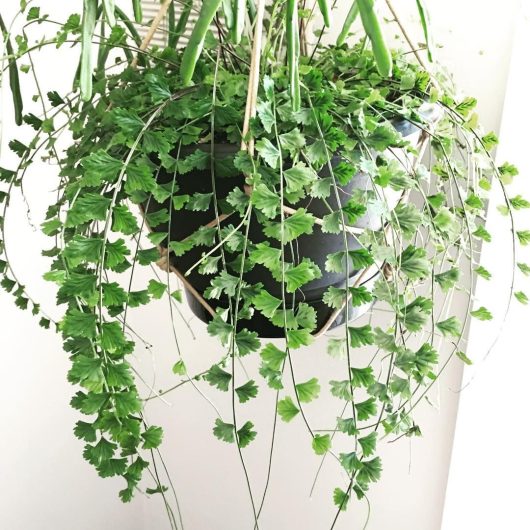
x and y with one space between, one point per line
253 78
152 29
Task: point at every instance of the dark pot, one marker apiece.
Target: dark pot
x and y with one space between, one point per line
316 246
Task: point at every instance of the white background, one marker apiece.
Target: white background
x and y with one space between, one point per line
45 484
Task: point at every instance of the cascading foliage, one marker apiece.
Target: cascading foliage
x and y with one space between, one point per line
339 102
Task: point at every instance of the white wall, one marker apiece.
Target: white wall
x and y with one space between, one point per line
41 461
488 479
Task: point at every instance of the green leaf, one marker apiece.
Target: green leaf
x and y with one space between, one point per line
128 121
246 434
334 297
266 303
400 386
449 327
119 375
341 499
273 357
519 203
483 234
484 273
82 249
113 295
303 273
347 426
360 296
369 471
361 336
103 450
247 391
266 115
337 348
366 409
112 337
368 444
221 329
447 280
362 377
524 237
179 368
88 372
126 403
299 337
199 202
88 207
360 259
464 358
349 462
293 141
157 289
341 389
115 253
139 178
321 189
466 106
474 202
287 409
265 200
100 167
521 297
91 402
301 222
224 431
152 437
112 467
179 201
482 314
266 255
223 283
269 152
321 444
308 391
76 323
298 177
407 218
414 263
354 211
247 342
85 431
524 268
218 377
507 172
124 221
490 140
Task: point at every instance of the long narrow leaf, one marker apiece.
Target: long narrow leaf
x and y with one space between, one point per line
352 15
293 52
228 12
425 24
109 6
137 10
14 81
87 33
372 27
324 9
239 20
172 34
194 48
183 21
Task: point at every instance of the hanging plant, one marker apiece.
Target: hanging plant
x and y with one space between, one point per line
290 195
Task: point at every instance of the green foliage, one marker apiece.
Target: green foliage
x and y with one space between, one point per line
144 151
287 410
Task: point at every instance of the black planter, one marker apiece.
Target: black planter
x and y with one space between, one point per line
316 246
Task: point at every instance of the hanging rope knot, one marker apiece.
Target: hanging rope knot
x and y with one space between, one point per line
163 262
